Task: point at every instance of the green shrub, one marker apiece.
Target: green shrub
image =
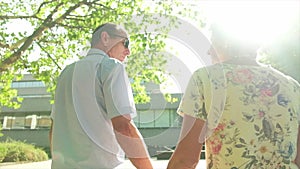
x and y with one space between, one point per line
3 152
17 151
0 130
48 151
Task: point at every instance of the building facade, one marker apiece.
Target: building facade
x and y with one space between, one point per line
156 120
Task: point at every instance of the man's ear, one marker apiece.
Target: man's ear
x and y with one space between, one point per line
105 38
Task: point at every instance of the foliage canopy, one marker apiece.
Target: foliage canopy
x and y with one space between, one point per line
42 37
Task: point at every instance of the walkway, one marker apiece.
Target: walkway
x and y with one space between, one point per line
158 164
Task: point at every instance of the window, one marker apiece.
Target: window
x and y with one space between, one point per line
43 122
176 120
162 118
26 122
18 122
145 118
7 122
25 84
11 122
157 118
30 122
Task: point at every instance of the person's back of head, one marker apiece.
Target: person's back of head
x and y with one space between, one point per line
231 44
110 28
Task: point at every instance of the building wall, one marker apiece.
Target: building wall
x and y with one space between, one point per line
38 137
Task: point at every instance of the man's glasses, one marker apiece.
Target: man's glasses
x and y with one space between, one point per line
126 41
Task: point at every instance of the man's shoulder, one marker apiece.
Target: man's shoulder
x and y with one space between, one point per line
108 67
68 69
112 61
110 64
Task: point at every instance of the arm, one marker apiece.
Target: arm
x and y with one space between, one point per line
297 160
187 152
131 142
50 135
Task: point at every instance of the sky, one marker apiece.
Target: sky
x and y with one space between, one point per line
265 19
278 14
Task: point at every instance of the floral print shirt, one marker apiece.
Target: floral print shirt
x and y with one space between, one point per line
252 114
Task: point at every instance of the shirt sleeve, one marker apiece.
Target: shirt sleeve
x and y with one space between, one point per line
296 97
193 101
298 105
118 93
299 116
205 95
52 112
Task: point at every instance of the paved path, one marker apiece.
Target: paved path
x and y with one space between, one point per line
158 164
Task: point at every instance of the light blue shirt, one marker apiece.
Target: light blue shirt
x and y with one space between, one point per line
89 93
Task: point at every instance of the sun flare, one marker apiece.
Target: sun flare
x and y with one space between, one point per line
261 21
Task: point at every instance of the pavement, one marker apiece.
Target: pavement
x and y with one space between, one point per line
157 164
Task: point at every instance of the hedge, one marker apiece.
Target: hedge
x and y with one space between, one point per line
17 151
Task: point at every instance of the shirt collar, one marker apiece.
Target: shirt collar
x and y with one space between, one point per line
94 51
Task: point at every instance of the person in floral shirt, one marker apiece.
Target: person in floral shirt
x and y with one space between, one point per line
248 114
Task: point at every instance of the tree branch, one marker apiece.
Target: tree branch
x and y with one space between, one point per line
49 56
4 45
73 27
42 4
2 17
99 4
48 23
75 19
17 44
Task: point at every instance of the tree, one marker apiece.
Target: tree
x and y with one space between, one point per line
284 53
60 29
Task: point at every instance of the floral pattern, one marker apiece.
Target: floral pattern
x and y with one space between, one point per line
257 124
